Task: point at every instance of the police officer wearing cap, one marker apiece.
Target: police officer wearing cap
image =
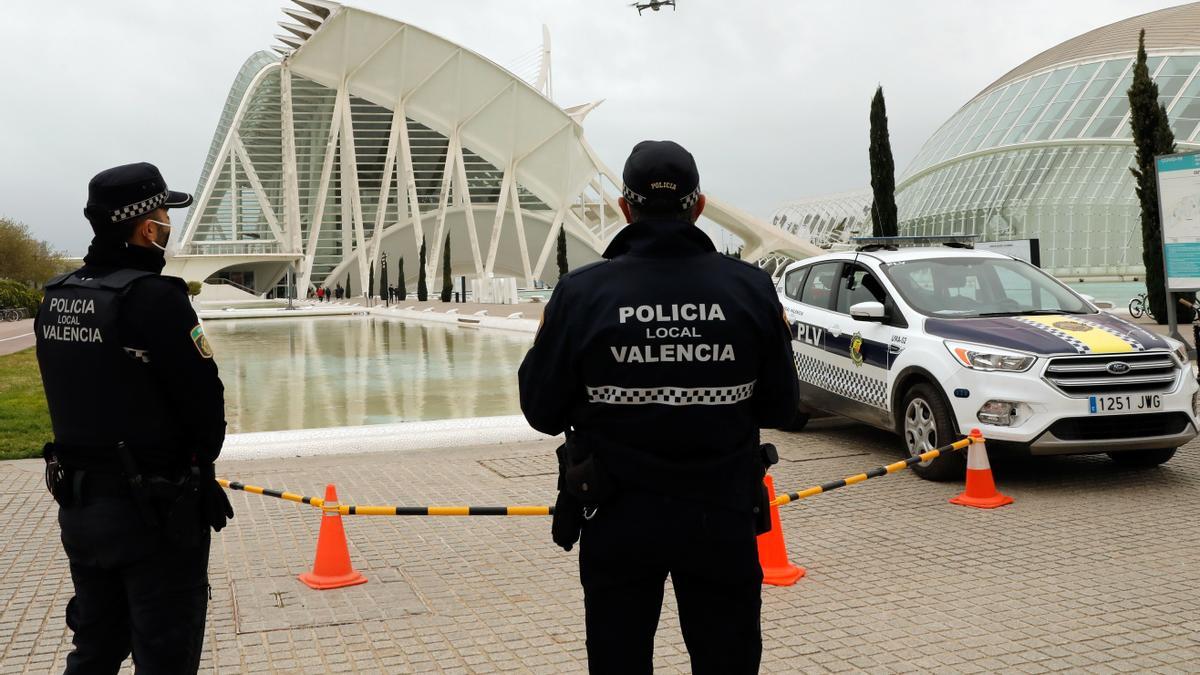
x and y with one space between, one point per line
661 363
138 416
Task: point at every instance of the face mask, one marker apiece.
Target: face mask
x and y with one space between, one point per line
164 235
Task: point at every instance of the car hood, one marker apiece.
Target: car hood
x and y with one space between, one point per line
1050 334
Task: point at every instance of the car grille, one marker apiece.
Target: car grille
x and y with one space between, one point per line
1105 427
1088 375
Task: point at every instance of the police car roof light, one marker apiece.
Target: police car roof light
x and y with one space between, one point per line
894 243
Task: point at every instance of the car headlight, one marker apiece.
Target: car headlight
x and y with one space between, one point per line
978 357
1181 352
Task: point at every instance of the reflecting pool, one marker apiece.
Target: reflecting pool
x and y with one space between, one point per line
349 371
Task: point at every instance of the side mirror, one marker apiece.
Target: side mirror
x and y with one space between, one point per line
868 311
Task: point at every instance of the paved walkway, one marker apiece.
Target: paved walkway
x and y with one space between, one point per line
1093 569
15 336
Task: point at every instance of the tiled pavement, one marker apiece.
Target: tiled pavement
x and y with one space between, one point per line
1094 569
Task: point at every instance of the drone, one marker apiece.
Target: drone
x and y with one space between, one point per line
654 5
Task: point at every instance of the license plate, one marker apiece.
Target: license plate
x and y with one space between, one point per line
1124 403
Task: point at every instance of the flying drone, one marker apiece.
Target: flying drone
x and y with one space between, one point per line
654 5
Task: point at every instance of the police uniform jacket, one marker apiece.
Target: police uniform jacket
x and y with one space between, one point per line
145 377
666 358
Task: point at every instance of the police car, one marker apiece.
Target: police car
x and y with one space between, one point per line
930 337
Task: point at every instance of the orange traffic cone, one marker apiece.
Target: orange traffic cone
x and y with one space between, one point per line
772 552
332 568
981 487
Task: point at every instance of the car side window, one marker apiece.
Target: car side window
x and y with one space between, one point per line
819 286
793 282
857 286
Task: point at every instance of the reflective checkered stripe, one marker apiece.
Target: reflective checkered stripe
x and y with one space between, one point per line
138 208
1078 345
671 395
1137 346
853 384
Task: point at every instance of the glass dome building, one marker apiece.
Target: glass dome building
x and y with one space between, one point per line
1044 152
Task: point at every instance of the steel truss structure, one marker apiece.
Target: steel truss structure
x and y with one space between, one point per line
371 135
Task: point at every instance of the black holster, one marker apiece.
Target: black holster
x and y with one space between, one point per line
583 485
762 511
57 478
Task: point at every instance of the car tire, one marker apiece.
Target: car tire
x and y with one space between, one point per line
926 423
1143 458
799 421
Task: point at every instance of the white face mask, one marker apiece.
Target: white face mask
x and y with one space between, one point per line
164 236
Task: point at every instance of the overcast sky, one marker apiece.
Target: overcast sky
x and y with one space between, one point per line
772 97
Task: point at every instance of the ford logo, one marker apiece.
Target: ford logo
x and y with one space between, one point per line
1117 368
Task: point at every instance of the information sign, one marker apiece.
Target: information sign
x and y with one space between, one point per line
1021 249
1179 213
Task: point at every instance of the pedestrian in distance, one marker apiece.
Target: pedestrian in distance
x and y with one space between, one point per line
138 414
661 363
320 293
339 292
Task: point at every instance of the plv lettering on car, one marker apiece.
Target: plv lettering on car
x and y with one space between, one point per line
809 334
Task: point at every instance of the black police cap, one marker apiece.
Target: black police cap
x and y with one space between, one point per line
662 174
129 191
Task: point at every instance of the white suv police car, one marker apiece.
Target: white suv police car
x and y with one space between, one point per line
931 341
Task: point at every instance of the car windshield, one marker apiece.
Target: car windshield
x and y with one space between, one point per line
976 286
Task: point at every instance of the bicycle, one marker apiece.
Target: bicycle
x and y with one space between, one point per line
12 314
1140 305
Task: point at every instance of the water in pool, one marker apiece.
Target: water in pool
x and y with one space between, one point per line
349 371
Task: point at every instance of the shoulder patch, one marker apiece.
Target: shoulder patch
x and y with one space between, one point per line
201 342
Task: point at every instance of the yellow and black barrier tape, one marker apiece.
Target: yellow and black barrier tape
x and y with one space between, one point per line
789 497
354 510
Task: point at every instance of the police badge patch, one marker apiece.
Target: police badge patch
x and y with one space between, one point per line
856 349
201 342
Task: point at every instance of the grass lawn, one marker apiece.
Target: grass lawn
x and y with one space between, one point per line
24 417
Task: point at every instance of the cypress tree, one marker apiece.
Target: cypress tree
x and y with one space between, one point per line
371 283
562 252
1152 136
422 286
447 281
883 171
401 285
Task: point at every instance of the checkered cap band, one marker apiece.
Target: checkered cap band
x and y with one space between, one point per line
685 202
671 395
139 208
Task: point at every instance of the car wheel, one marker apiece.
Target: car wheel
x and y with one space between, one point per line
1143 458
926 424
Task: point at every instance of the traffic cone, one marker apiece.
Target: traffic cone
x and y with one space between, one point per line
332 567
772 552
981 487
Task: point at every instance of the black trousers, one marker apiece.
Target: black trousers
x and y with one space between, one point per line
134 591
626 552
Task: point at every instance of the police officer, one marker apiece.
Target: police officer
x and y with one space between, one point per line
661 363
138 416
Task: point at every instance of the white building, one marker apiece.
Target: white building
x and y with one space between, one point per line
370 135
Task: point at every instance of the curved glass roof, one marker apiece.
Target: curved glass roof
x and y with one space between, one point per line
1173 28
828 220
1076 101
